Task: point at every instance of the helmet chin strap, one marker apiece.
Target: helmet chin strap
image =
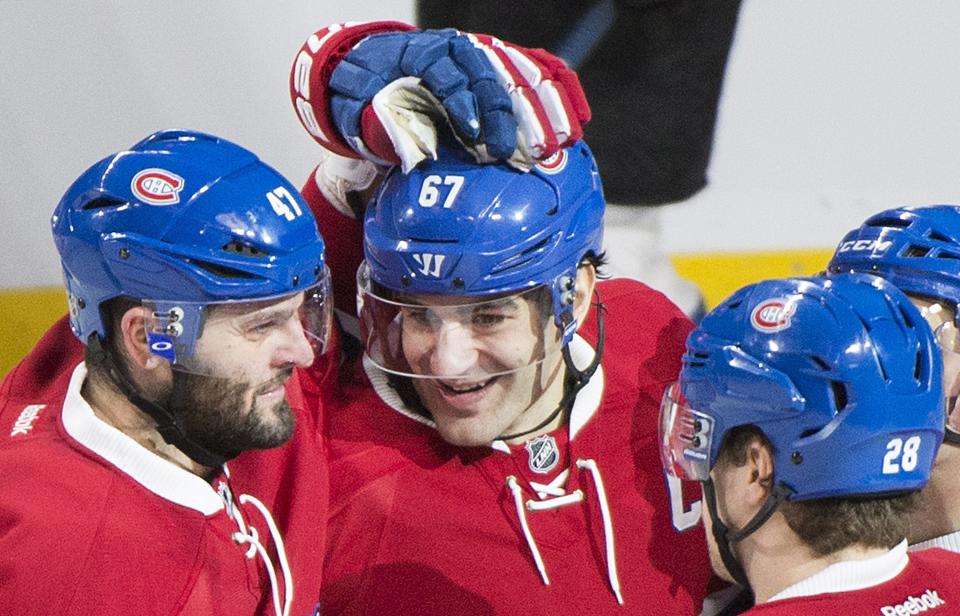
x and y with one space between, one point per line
575 379
168 425
725 537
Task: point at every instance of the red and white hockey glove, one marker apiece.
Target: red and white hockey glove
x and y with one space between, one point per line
380 91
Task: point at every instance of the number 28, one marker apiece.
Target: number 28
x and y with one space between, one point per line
901 455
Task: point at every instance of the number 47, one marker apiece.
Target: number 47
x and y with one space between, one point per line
430 190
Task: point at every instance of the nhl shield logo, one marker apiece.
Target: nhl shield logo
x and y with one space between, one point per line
543 454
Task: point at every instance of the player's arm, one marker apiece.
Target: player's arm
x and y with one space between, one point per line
383 91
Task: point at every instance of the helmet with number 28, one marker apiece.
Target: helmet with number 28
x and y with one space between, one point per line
841 374
182 221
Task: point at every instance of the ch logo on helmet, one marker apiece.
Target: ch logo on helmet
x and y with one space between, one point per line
554 163
157 186
429 263
543 454
772 315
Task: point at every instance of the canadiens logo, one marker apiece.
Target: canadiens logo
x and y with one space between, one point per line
554 163
543 454
157 186
772 315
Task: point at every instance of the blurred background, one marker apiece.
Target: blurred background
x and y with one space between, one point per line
831 110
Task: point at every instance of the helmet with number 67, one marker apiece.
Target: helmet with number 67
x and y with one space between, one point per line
452 227
841 374
183 221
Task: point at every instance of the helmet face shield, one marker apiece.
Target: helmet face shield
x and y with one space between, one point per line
181 332
685 437
456 337
941 316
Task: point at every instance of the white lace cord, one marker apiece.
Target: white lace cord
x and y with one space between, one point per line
612 575
252 537
518 501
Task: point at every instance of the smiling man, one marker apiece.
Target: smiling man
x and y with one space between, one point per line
495 446
197 283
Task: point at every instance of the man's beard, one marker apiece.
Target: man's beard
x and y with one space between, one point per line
214 414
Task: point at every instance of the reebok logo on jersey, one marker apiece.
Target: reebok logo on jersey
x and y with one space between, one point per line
25 422
914 605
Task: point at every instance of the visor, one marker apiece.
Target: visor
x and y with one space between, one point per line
442 337
942 318
685 437
176 329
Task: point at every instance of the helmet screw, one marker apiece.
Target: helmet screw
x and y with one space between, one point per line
796 457
124 254
296 280
405 280
81 303
316 271
697 426
695 441
458 283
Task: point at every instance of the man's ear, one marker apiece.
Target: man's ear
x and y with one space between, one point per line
760 467
586 283
133 337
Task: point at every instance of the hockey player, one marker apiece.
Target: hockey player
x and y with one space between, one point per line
917 250
811 411
197 282
494 450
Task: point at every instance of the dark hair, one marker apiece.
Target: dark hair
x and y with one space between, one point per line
95 356
828 525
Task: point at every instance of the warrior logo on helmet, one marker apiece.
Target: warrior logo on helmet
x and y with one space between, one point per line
772 315
157 186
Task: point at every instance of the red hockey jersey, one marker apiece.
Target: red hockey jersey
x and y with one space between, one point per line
419 526
93 523
892 585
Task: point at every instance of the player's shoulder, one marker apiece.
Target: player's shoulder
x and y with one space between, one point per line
935 559
644 332
42 376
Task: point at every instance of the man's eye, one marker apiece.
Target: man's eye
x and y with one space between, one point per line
420 317
488 319
262 327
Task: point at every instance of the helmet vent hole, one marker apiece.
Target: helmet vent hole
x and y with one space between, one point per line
896 223
918 367
916 251
819 363
839 395
220 271
938 237
947 255
103 202
241 248
553 211
522 258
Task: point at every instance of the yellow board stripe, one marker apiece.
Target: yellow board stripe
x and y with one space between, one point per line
720 274
28 312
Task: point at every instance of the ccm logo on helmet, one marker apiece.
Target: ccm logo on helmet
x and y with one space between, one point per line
877 245
157 186
772 315
554 163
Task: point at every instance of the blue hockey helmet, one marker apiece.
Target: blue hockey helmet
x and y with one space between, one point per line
452 227
841 374
180 221
915 248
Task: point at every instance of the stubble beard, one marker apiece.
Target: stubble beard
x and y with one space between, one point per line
214 413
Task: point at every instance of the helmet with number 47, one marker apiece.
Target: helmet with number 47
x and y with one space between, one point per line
183 221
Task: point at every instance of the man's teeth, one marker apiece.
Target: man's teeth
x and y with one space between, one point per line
462 389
